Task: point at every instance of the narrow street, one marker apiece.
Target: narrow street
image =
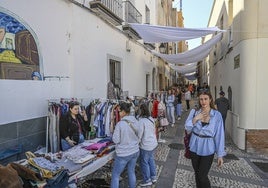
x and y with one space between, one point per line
240 169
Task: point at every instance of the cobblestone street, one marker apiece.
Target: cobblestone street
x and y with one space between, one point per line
175 171
239 170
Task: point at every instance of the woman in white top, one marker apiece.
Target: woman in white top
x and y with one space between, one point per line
170 107
148 143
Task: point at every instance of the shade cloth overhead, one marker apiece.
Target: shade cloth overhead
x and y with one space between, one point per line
154 33
191 76
184 69
194 55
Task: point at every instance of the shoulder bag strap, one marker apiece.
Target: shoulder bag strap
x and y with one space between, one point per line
150 120
131 126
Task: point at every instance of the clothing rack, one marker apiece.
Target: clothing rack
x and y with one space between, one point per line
80 101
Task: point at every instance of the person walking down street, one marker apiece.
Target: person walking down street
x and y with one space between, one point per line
191 89
148 143
73 126
222 105
187 96
178 106
207 138
170 107
125 137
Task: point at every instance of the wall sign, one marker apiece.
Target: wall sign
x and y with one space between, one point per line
237 61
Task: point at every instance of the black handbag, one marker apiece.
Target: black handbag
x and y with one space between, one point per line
186 139
60 180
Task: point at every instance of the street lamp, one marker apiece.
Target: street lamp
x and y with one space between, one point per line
162 48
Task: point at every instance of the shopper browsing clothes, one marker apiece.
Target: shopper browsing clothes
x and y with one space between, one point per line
148 143
126 138
73 126
170 107
207 138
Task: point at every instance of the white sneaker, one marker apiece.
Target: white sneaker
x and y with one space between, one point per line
154 181
179 118
146 184
172 125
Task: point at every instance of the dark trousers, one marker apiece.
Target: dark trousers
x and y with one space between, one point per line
223 119
201 166
188 104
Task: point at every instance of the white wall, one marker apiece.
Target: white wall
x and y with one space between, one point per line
73 43
248 82
26 99
21 100
261 84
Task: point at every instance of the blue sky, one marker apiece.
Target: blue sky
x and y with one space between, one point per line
196 14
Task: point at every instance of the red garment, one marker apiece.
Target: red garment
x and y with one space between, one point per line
155 109
117 115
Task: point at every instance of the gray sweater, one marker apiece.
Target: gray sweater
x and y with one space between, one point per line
147 134
127 142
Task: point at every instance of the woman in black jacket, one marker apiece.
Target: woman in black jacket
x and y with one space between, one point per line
73 127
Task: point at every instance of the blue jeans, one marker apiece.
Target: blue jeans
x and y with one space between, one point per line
171 114
65 145
148 167
119 165
178 110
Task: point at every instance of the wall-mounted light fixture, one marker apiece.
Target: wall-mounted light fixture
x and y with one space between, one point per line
162 48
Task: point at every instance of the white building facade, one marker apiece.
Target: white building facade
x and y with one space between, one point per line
237 65
77 48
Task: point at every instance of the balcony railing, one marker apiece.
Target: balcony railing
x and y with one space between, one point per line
111 10
115 6
132 15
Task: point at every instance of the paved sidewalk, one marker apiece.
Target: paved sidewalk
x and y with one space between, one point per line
175 171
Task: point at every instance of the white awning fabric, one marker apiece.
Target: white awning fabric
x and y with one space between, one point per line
184 69
191 76
163 34
157 34
191 56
